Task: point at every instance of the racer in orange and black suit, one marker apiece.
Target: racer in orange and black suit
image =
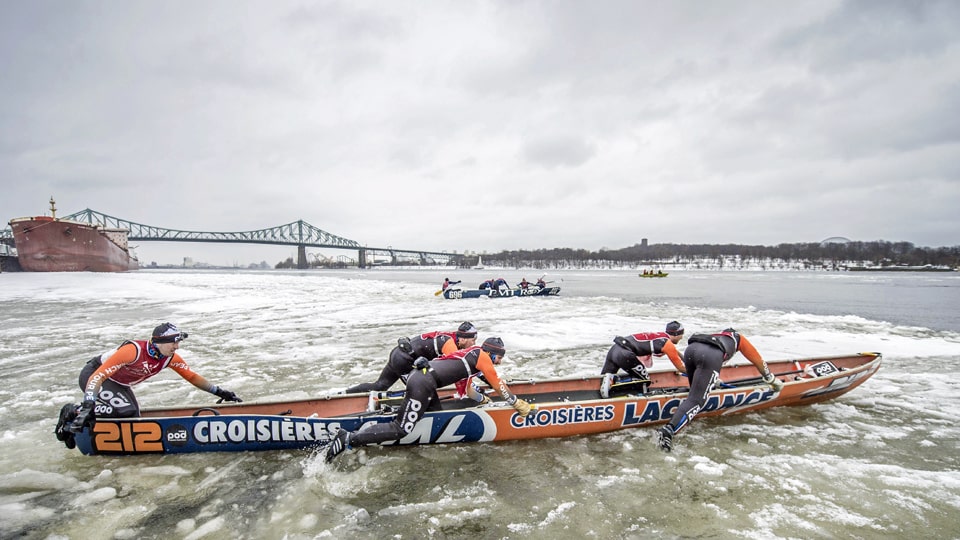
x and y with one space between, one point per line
634 354
421 395
704 356
107 379
429 346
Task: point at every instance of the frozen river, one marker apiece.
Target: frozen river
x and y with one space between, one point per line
880 462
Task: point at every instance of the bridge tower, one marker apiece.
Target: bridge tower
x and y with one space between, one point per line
302 256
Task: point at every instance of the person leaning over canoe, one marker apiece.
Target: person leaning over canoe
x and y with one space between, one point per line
704 356
634 354
421 395
106 380
429 346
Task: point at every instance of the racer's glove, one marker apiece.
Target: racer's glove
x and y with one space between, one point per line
522 407
86 417
404 345
421 364
225 395
774 382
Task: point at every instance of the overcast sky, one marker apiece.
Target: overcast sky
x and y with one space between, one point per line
485 126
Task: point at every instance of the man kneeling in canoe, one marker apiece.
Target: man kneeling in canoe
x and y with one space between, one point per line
422 396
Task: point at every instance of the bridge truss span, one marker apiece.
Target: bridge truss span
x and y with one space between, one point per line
296 233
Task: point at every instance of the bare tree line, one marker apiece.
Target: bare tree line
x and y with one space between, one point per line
811 255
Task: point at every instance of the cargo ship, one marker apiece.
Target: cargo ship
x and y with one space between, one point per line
48 244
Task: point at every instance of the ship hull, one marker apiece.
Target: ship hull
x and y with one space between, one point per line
45 244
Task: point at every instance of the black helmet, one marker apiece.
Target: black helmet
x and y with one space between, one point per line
467 330
168 333
674 328
494 345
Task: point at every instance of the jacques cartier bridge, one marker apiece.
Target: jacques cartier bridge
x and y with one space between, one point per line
297 233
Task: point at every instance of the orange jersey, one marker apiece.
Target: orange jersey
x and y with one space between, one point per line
659 344
136 361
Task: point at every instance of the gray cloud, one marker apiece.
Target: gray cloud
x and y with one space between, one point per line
487 126
558 151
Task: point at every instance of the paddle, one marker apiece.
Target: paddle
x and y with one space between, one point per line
754 380
619 382
387 398
452 283
627 382
547 282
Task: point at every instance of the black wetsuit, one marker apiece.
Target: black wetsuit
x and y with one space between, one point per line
625 352
400 363
421 396
703 361
114 400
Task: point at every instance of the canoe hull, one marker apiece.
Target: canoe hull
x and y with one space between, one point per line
457 294
565 407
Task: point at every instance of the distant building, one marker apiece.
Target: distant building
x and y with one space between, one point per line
835 240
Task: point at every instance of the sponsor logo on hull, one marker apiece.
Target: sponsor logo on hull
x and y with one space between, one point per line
209 433
258 432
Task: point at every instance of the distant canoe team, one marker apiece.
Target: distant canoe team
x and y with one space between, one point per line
498 284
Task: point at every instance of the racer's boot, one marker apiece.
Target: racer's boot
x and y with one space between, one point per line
340 442
665 438
605 385
67 414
